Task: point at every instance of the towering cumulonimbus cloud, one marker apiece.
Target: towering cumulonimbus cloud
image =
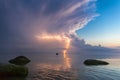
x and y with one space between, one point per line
22 21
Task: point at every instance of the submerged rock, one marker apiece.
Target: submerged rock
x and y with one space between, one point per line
20 60
10 70
95 62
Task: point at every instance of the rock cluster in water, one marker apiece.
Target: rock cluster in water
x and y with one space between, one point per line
95 62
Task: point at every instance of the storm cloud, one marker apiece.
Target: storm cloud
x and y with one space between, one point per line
22 20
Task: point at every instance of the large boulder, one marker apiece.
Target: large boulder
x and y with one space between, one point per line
11 70
95 62
20 60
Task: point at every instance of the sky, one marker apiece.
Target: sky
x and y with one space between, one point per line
51 25
105 28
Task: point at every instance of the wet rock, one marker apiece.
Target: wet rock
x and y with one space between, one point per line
20 60
95 62
10 70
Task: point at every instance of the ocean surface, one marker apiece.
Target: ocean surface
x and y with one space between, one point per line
45 66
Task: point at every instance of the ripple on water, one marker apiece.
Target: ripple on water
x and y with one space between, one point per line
101 73
49 74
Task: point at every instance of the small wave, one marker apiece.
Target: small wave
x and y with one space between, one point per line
101 73
48 74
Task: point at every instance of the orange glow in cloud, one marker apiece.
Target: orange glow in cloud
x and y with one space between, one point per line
47 37
67 62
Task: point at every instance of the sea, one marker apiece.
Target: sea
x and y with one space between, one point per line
66 66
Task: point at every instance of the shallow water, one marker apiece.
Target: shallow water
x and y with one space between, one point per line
69 67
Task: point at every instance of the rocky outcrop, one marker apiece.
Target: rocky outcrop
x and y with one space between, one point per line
95 62
20 60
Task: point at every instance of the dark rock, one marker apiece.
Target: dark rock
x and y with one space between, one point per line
20 60
13 78
95 62
10 70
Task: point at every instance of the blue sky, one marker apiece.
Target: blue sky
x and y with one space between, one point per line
104 29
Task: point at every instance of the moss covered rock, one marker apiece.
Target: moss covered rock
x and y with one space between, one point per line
95 62
20 60
10 70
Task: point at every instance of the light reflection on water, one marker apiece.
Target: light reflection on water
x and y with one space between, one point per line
67 60
55 71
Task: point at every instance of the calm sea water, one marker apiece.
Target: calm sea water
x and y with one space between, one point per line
45 66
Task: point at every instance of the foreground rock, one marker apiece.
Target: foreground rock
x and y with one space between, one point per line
10 70
20 60
95 62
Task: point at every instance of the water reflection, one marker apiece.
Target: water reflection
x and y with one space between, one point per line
67 60
65 65
49 71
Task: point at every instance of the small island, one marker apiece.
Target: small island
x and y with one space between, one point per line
91 62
